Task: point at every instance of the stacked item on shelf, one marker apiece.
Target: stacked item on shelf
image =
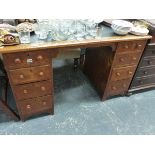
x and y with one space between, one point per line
123 27
7 35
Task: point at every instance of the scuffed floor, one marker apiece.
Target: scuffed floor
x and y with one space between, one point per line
78 110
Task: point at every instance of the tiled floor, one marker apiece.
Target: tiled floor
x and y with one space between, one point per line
78 110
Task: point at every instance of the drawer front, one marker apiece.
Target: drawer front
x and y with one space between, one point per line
122 73
16 60
123 59
149 53
138 82
131 46
145 72
37 105
33 74
26 59
147 62
31 90
40 58
118 87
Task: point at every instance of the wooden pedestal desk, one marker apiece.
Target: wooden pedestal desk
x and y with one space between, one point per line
110 63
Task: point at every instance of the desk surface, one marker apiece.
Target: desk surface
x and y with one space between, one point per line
107 36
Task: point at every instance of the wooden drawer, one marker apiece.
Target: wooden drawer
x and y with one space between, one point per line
35 106
16 60
118 87
131 46
27 75
26 59
138 82
145 71
40 58
123 59
31 90
147 62
149 51
122 73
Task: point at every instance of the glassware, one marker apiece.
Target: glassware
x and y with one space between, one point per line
91 27
43 28
80 30
24 37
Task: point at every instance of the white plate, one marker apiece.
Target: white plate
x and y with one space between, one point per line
139 31
122 23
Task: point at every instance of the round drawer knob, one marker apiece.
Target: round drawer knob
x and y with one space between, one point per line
141 82
126 46
17 61
153 51
118 74
28 106
134 58
139 45
41 73
39 57
113 88
25 91
43 88
145 72
130 72
44 103
21 76
121 60
124 85
149 62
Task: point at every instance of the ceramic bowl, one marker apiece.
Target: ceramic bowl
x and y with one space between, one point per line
121 27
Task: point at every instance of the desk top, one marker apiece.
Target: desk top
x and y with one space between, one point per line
106 36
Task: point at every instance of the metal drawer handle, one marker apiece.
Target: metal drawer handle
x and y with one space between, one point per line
113 88
40 57
43 88
41 73
118 74
28 106
21 76
17 61
25 91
